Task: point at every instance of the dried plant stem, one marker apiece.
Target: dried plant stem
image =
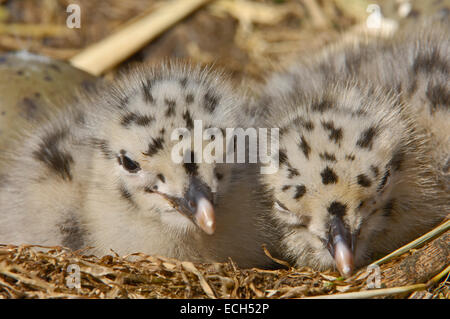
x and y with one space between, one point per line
34 30
203 283
386 291
403 289
119 46
373 293
416 243
439 276
13 43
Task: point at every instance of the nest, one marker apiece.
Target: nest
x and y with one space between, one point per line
52 272
250 38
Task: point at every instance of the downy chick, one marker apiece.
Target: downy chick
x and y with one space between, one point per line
102 173
364 147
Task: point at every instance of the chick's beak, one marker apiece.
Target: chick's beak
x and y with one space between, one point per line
204 216
196 205
340 245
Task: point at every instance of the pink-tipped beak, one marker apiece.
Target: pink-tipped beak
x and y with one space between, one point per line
204 217
343 257
340 243
195 205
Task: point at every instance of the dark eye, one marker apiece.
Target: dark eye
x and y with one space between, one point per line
361 204
129 164
384 181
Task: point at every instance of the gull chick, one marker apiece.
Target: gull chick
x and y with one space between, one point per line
361 164
102 174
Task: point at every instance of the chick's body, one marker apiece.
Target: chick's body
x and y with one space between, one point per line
364 148
102 174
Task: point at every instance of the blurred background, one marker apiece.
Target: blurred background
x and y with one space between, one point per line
248 37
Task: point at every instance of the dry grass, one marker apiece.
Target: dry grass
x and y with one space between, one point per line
250 38
42 272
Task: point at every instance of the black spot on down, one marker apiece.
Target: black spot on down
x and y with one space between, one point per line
366 138
210 102
146 90
439 97
171 104
304 146
292 172
188 119
72 233
300 190
364 180
337 209
327 157
282 157
429 62
322 106
154 146
128 119
329 176
335 134
190 167
104 147
384 180
52 156
126 195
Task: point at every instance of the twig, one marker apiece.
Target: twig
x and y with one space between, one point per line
203 283
294 291
109 52
439 276
278 261
34 30
386 291
399 289
419 241
373 293
12 44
